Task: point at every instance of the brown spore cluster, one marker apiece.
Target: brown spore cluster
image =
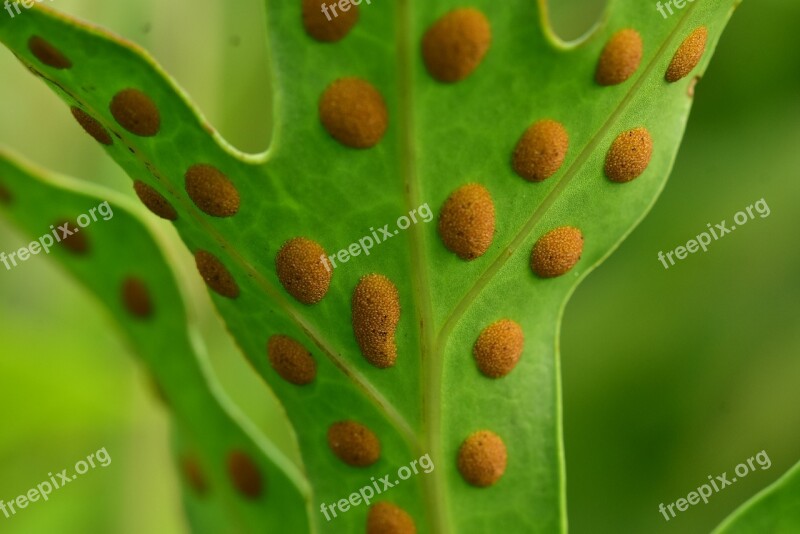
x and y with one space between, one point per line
91 126
328 28
467 221
48 54
244 474
455 45
629 155
291 360
482 458
158 390
212 191
541 150
557 252
620 58
354 113
498 348
154 201
688 55
301 270
6 197
77 243
376 313
193 474
136 298
387 518
136 112
216 275
354 444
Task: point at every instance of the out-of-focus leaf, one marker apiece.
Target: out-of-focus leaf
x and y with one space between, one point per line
117 247
776 510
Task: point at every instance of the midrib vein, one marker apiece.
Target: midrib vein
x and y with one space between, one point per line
430 365
361 382
544 206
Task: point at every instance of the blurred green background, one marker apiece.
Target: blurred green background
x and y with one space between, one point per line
674 375
669 375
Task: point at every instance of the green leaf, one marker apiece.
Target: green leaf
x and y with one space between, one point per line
440 137
776 509
119 246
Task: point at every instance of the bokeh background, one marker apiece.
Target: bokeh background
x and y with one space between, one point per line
669 375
